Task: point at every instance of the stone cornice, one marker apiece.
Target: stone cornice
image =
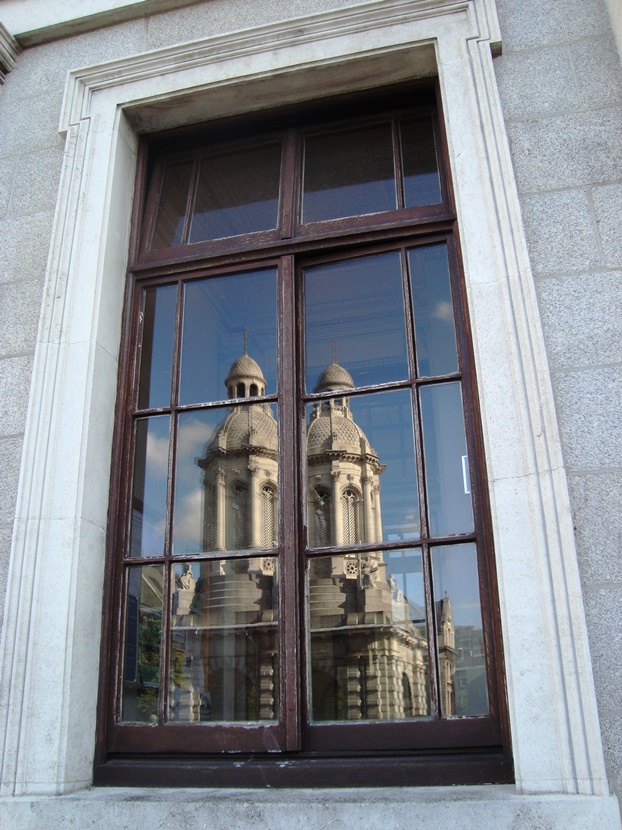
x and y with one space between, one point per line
9 50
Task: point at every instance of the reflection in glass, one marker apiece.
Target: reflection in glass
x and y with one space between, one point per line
226 479
238 192
169 224
421 180
369 642
224 651
446 461
356 307
149 486
433 310
156 353
361 474
459 616
225 319
348 173
143 634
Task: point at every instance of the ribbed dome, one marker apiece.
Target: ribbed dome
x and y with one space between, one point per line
335 433
245 367
334 377
248 425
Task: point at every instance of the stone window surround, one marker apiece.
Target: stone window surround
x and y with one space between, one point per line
50 658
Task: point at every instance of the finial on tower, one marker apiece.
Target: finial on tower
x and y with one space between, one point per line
245 336
333 348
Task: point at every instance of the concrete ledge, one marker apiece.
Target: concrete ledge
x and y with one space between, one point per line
470 808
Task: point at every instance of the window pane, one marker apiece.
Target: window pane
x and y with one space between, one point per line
156 354
459 627
421 181
446 462
229 337
149 487
354 314
169 224
238 192
143 634
433 310
226 480
224 652
361 474
347 173
369 643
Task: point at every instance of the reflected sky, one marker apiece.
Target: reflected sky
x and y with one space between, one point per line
217 312
358 306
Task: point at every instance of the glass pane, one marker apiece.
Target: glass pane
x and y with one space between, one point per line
462 666
169 224
156 354
421 181
226 480
143 634
348 173
354 314
361 474
369 642
238 192
229 337
433 310
224 650
148 524
446 462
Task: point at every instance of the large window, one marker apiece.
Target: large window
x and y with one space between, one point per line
301 583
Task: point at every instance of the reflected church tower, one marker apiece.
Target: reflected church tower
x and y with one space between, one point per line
343 471
369 656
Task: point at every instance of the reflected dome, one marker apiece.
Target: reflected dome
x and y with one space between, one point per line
334 377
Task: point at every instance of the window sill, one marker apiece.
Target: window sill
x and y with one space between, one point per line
422 807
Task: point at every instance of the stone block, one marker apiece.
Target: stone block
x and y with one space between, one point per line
10 458
611 727
556 88
608 209
595 501
15 374
597 70
220 16
567 151
560 232
20 303
31 124
603 613
582 318
589 403
36 181
531 23
6 180
25 245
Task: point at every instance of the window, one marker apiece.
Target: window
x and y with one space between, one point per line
302 567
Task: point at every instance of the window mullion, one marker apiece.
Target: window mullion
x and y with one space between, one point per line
289 564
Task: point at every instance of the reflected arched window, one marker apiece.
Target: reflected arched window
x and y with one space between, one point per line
322 530
267 500
239 527
241 393
349 517
253 392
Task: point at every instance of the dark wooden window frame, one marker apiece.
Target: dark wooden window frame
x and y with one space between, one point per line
441 751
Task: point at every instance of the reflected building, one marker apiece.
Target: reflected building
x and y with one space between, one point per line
368 640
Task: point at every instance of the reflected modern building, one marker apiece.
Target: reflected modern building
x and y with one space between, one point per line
368 649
